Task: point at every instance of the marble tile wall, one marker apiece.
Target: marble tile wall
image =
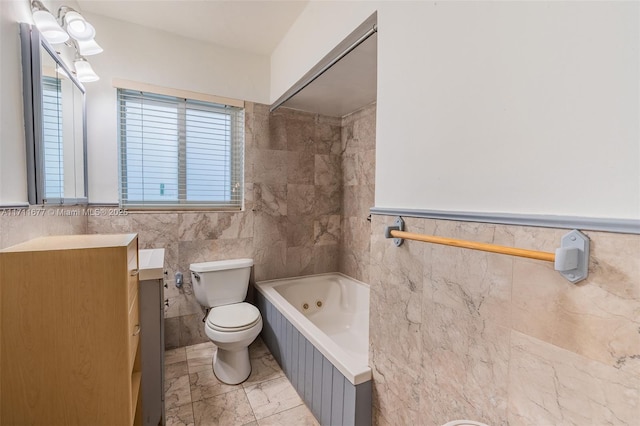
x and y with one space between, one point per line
358 182
456 333
20 225
297 192
290 224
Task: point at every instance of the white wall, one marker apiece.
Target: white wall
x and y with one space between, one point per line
132 53
482 106
146 55
318 29
509 107
13 169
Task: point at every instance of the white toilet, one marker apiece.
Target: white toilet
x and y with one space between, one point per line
231 324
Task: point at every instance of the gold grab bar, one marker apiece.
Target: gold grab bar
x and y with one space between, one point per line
571 259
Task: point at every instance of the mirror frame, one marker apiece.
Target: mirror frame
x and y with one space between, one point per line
31 40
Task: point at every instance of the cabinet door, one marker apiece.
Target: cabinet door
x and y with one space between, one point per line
68 348
152 347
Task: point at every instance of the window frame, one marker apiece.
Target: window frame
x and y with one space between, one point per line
183 100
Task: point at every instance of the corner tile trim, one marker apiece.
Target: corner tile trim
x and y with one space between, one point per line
623 226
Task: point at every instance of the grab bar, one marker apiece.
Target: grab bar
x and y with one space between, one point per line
571 259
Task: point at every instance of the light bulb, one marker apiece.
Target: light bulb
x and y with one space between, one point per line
84 71
78 28
89 47
49 27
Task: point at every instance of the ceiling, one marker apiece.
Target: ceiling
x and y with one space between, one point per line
251 26
347 86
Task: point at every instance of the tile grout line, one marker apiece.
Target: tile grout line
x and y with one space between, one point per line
252 385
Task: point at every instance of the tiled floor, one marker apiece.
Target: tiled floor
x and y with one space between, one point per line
194 396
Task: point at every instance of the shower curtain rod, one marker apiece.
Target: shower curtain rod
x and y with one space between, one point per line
571 259
312 75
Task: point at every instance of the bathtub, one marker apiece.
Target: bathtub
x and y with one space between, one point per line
317 328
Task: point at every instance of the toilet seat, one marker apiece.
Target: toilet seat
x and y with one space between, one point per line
233 318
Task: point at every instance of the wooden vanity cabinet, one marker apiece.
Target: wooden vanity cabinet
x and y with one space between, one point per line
69 331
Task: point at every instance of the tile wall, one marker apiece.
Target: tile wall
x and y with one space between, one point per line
292 220
460 334
20 225
358 184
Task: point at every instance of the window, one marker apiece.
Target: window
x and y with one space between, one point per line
179 153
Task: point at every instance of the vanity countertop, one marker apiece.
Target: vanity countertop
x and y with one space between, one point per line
151 264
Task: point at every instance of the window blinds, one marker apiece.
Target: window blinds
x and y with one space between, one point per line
52 138
179 153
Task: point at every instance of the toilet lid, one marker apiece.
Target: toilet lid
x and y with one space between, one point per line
234 317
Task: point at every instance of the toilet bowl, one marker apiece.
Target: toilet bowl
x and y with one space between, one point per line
232 328
231 323
464 423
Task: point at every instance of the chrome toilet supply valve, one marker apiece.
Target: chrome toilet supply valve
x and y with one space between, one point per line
179 279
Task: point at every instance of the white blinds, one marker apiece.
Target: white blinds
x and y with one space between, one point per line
52 138
179 153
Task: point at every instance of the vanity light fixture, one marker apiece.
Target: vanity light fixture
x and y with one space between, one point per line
70 28
84 72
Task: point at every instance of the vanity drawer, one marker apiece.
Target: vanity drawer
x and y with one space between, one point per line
134 330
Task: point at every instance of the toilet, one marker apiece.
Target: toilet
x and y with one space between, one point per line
231 323
464 423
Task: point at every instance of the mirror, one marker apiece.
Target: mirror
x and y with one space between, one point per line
55 124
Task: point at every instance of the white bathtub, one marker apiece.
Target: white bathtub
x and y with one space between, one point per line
332 312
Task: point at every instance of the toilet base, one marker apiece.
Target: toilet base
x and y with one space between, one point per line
232 367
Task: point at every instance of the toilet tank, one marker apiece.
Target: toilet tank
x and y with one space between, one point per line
221 282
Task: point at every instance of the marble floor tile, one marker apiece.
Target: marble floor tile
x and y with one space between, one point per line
175 355
258 349
180 416
200 357
262 369
272 397
204 384
175 370
299 416
228 409
194 396
176 392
